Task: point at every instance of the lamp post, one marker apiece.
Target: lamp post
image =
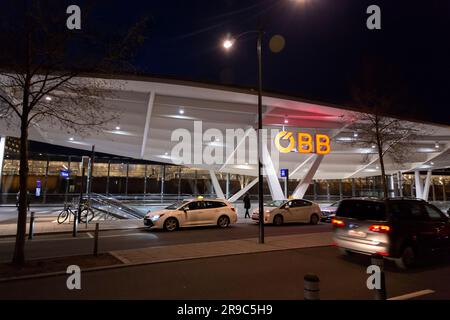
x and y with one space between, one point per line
227 44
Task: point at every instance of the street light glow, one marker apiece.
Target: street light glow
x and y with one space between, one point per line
227 44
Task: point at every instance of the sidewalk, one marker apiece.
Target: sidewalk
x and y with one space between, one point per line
221 248
45 223
49 227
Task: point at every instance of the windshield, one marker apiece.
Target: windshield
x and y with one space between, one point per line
176 205
276 203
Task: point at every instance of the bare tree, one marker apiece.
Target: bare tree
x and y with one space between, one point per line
41 81
390 137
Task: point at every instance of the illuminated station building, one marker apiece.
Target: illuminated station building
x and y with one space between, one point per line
134 155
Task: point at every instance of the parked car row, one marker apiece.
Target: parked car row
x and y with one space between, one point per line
209 212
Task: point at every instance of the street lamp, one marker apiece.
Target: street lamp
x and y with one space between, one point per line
227 44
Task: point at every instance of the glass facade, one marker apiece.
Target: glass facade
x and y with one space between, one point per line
59 178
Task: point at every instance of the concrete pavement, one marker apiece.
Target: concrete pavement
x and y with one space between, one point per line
222 248
264 275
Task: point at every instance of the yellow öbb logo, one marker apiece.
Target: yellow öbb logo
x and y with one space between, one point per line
286 142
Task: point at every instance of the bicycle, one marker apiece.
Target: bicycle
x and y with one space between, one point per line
87 214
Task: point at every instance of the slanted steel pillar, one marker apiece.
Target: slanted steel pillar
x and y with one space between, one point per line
300 191
215 184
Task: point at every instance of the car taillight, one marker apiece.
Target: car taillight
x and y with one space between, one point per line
379 228
233 209
337 222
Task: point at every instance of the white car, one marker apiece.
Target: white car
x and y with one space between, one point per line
193 213
287 211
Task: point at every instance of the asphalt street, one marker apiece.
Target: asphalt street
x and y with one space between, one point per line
44 246
269 275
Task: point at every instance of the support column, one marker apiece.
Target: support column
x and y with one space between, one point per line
216 185
300 191
179 183
145 180
163 179
227 190
400 183
126 179
418 184
107 178
44 198
66 191
328 190
391 190
341 194
2 157
271 175
426 190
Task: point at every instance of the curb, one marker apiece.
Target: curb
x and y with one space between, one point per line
137 264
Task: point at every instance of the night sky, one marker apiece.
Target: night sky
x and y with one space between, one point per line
327 45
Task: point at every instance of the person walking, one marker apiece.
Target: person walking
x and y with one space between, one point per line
247 205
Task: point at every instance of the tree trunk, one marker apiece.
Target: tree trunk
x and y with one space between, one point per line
19 249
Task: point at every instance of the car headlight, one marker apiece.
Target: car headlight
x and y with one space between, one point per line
155 218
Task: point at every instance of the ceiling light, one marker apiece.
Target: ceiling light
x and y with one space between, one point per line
48 98
71 138
181 111
373 146
166 153
355 134
286 121
117 128
432 163
436 145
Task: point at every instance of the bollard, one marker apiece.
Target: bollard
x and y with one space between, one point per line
96 239
377 260
311 287
31 232
75 225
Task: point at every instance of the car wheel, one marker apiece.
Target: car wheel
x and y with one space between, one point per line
314 219
223 221
171 224
407 259
278 220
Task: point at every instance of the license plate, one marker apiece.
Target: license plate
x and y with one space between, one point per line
358 234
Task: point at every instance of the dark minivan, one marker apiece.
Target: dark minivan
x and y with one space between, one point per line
397 228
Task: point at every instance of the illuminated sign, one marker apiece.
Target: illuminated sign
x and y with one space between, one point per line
303 142
64 174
